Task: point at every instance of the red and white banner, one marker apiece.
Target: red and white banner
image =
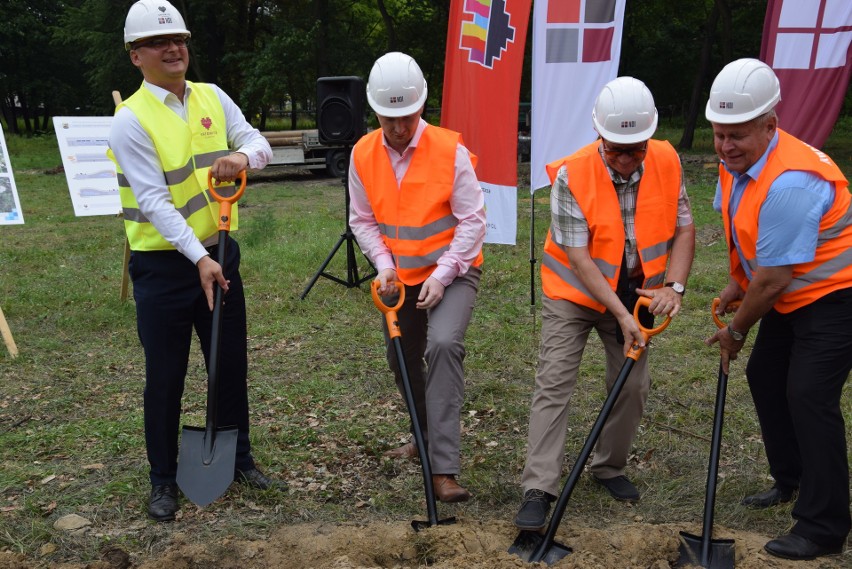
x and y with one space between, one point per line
807 43
482 83
576 48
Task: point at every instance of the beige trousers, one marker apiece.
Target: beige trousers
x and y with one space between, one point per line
564 332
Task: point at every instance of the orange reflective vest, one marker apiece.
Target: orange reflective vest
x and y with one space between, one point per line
414 217
656 221
831 268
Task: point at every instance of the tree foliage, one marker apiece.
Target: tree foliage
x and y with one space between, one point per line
66 57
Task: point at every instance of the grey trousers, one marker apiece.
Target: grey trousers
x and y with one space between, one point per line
433 348
565 328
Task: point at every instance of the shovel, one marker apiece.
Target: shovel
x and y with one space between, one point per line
207 456
703 550
396 338
532 546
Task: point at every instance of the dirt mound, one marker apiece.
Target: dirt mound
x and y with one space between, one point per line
467 544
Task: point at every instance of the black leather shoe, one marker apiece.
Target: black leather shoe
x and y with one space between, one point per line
163 502
792 546
771 497
254 478
534 508
619 488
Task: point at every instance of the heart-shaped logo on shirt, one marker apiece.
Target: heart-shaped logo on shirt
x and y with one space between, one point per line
206 123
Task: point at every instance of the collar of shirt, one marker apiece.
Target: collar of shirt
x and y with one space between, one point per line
170 99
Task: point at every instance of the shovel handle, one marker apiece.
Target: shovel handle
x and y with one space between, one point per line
225 202
389 311
716 302
635 350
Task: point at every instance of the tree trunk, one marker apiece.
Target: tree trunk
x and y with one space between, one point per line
25 112
7 106
389 25
45 118
703 71
322 16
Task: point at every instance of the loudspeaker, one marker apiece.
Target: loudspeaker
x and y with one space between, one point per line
341 104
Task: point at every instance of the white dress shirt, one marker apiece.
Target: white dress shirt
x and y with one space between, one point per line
134 150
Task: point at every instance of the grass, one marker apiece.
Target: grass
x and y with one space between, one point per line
323 404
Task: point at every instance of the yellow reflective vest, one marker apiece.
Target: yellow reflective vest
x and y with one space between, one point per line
186 150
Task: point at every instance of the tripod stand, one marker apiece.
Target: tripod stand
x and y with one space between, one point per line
352 278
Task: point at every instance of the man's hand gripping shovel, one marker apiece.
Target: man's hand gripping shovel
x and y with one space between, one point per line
703 550
532 546
391 319
208 456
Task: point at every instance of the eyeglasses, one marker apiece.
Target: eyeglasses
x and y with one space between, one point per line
161 44
636 153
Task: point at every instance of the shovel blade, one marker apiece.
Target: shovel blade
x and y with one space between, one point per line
720 554
203 476
424 524
527 544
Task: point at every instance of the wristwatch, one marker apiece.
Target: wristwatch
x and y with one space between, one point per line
738 336
677 287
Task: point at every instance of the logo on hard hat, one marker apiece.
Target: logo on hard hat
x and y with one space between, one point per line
161 8
628 124
726 105
206 123
394 100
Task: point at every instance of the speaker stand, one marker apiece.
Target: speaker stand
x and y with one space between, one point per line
347 237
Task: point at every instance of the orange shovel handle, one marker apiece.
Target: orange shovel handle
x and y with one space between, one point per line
225 203
389 311
716 302
635 351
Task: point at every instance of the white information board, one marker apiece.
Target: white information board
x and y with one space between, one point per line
10 205
91 175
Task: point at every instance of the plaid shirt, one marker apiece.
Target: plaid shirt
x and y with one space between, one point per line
569 227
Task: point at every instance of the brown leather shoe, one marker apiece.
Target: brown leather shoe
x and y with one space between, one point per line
448 490
407 451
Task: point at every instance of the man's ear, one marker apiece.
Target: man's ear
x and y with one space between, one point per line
134 58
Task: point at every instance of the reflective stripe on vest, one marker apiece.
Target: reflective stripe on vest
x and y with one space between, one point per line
414 216
831 268
186 151
655 225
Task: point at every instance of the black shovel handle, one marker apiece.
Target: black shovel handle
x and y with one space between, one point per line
632 356
225 203
715 446
392 320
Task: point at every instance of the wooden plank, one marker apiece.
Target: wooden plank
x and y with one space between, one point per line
125 273
6 332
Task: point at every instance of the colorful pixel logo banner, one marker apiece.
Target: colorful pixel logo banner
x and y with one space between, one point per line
487 34
482 83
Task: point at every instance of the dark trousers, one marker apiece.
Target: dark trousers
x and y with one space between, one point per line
796 373
169 304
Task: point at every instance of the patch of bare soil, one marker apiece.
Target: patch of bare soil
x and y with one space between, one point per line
467 544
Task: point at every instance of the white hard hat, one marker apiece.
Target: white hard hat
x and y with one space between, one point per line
396 87
624 111
149 18
744 89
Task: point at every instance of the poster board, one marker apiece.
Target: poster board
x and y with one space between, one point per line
91 175
10 205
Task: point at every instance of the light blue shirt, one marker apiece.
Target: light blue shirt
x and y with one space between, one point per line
788 224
